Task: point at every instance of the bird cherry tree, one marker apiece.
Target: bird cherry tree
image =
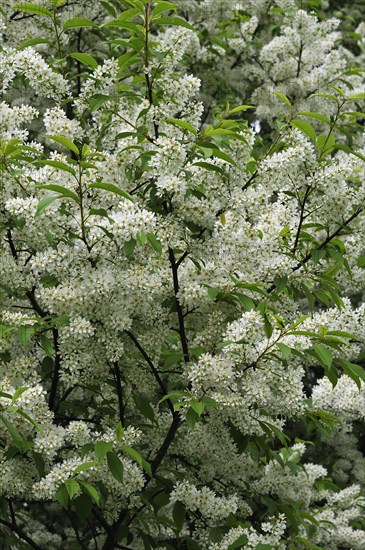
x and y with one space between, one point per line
182 270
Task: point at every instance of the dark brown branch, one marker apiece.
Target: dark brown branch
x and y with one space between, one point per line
300 55
328 239
180 313
56 371
77 534
151 365
15 529
250 181
42 313
301 219
118 385
167 442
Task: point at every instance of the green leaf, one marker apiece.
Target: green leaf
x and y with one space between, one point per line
119 431
144 407
18 393
213 293
57 164
284 349
25 333
162 7
360 95
46 201
25 415
347 149
210 402
79 22
178 514
13 432
174 22
6 395
39 464
156 244
98 100
245 301
72 487
112 188
241 108
327 96
356 372
115 466
85 59
5 329
360 262
324 355
325 144
101 448
183 124
198 407
129 248
176 394
98 212
62 496
238 543
268 328
138 458
66 142
210 167
90 490
271 429
33 9
283 98
305 127
317 116
67 193
32 42
86 466
191 418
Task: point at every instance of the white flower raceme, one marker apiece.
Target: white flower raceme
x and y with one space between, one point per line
45 81
204 500
57 123
129 220
12 120
48 485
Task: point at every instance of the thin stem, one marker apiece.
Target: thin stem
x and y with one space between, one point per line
328 239
324 243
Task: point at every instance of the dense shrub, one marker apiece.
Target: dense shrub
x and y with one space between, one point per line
181 275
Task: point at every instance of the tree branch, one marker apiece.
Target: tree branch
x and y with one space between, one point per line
180 313
15 529
301 219
118 384
151 365
324 243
